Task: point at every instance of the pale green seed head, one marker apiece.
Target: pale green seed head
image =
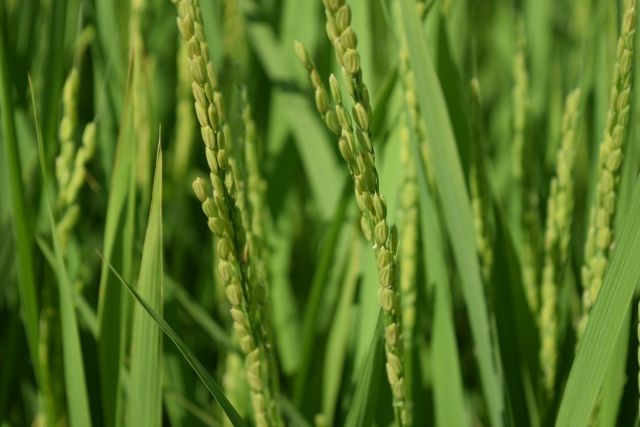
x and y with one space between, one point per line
302 54
391 334
209 208
392 375
343 17
247 345
200 189
382 233
351 61
387 298
336 93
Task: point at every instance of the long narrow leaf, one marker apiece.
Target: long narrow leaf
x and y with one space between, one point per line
365 399
447 383
211 385
110 299
145 387
336 351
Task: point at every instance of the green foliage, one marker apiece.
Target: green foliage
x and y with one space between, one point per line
292 291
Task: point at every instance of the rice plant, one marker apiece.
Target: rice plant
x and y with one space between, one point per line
319 213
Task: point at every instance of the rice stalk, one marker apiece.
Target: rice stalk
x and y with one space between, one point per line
520 97
50 355
408 260
361 163
252 204
557 239
256 190
65 159
409 86
520 111
408 215
478 186
66 133
599 244
244 292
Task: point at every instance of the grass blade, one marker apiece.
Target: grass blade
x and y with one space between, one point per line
615 379
605 323
211 385
364 403
447 383
110 300
337 340
145 387
456 209
74 375
21 236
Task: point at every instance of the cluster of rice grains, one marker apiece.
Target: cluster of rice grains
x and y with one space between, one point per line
360 158
478 186
244 290
70 163
557 239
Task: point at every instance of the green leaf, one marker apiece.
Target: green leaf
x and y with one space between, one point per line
74 375
364 404
447 383
337 341
111 301
605 323
616 377
20 222
519 343
211 385
456 209
145 385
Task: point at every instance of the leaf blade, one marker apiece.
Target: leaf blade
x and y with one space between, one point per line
211 385
145 387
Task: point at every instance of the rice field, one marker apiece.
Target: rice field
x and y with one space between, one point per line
316 213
